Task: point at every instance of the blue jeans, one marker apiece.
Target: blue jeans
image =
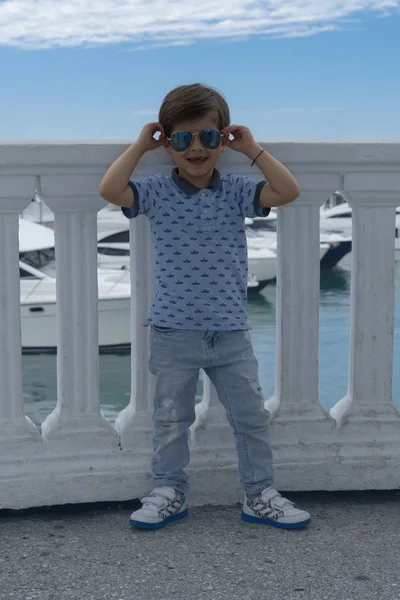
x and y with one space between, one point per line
176 357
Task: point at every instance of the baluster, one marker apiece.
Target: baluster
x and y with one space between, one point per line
370 424
19 438
302 429
76 423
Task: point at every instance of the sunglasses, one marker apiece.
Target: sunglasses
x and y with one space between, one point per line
182 140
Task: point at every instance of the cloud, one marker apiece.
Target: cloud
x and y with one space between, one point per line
158 23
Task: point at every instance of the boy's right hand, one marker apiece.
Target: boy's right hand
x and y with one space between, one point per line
146 139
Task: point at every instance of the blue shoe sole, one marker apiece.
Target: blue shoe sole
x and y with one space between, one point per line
261 521
144 525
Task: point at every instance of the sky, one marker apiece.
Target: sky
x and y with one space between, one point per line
290 69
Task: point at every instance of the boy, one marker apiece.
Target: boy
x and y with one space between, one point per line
198 319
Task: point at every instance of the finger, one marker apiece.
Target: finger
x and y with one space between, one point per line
155 128
226 141
232 129
227 135
230 137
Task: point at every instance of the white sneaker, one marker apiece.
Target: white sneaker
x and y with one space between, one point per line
270 508
162 506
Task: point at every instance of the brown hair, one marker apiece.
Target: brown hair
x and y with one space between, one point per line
191 102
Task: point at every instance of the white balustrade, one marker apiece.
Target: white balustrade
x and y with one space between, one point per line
81 457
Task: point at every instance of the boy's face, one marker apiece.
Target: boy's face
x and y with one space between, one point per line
197 162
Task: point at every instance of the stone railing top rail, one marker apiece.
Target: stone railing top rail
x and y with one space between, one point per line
326 156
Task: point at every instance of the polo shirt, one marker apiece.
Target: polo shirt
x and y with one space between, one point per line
200 248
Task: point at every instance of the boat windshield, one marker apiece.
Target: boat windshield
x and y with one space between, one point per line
39 259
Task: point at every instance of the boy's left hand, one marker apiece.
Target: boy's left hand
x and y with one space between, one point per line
243 140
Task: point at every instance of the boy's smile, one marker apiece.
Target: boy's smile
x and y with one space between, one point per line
196 164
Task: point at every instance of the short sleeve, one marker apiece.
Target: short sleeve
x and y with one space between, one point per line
248 192
143 193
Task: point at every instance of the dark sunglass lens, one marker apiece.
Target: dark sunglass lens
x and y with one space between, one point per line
181 140
210 138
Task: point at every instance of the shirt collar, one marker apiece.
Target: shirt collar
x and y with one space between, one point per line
190 189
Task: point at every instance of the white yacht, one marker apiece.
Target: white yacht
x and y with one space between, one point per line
339 219
38 297
334 246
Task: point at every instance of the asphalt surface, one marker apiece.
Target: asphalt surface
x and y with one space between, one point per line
350 551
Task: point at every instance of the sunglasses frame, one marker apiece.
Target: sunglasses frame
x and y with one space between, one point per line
193 136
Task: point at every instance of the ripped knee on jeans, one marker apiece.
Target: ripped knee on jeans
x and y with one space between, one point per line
256 387
167 408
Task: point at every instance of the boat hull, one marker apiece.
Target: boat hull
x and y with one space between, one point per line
39 326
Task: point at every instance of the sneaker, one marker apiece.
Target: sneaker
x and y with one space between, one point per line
162 506
270 508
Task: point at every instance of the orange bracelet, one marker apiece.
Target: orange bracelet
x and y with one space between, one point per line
258 155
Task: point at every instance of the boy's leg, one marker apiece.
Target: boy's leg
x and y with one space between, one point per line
173 414
235 377
176 375
174 407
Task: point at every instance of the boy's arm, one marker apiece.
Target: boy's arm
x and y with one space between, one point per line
282 187
114 187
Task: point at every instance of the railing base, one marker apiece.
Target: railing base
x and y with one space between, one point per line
49 482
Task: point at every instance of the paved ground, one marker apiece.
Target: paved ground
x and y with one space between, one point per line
351 551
